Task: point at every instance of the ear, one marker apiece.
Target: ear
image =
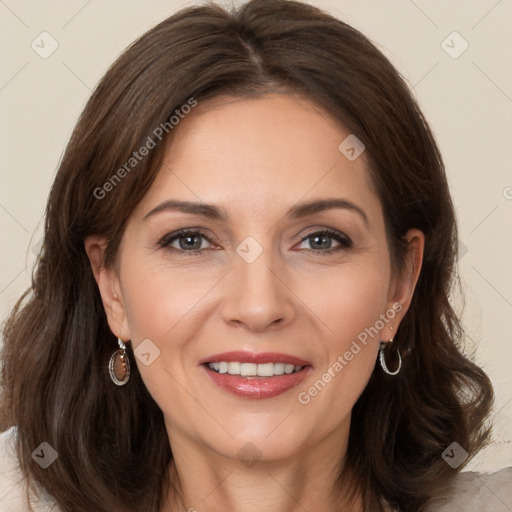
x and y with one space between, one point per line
402 287
108 282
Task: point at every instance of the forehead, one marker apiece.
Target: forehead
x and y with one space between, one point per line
256 155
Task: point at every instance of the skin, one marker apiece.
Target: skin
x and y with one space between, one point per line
256 158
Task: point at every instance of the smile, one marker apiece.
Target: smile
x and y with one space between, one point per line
252 375
254 370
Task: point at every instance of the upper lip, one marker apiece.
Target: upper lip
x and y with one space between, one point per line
253 357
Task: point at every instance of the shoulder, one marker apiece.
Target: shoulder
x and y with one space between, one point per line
479 491
13 488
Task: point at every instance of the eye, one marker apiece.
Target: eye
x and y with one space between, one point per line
321 241
186 241
190 242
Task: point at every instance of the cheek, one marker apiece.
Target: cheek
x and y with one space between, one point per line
351 309
157 298
350 301
167 307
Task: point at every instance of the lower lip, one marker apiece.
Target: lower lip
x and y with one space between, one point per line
257 387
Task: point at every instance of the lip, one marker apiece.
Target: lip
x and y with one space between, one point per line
243 356
256 387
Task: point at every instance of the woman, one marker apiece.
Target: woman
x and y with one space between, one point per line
242 299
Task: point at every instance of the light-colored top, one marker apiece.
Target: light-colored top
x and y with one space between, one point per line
479 492
12 483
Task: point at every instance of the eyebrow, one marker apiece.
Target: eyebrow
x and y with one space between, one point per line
298 211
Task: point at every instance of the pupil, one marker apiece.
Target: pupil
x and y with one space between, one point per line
188 245
325 238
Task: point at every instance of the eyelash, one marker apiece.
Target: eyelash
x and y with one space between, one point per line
165 242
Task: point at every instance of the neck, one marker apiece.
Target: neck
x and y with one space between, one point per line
205 481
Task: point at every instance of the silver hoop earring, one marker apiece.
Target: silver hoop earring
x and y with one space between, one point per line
119 365
383 360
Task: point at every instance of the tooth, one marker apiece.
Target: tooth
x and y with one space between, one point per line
278 369
253 369
234 368
248 369
265 370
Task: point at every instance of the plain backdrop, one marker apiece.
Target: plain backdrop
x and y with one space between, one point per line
462 81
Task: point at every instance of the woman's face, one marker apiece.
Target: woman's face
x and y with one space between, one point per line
258 282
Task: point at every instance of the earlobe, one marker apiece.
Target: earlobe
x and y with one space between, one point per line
109 287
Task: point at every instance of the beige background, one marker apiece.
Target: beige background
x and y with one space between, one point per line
467 100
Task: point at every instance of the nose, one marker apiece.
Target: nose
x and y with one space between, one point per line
257 296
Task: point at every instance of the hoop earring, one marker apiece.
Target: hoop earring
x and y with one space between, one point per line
119 365
383 361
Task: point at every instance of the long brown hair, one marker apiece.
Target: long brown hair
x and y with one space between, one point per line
112 443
